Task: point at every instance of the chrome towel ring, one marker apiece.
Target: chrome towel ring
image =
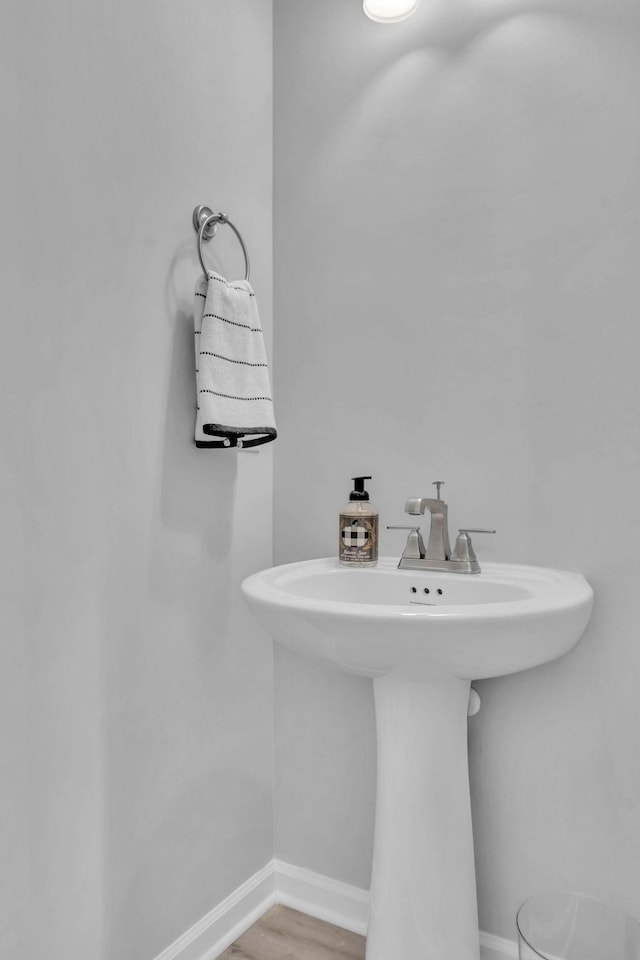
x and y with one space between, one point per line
205 223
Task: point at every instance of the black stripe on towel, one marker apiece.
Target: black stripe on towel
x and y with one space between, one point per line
220 430
245 363
230 396
234 322
258 435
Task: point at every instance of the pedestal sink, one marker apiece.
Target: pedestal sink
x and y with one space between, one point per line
423 637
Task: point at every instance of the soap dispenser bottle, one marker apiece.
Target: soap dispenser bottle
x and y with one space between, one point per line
358 529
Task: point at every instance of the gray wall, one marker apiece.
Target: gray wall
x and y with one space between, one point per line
458 297
135 691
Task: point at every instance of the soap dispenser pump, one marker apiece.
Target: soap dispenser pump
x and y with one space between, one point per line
358 529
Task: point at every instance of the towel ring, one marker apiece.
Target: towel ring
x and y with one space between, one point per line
205 223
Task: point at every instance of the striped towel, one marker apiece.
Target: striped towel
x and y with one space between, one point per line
232 377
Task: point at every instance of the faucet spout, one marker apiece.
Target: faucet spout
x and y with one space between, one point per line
418 505
415 506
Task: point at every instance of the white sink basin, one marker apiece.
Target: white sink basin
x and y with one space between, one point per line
371 622
422 649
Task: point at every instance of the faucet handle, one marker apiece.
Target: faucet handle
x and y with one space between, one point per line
474 530
463 549
414 548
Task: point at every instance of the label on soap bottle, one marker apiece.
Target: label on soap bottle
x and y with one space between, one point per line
358 539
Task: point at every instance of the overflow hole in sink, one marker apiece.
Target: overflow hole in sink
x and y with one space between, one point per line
426 590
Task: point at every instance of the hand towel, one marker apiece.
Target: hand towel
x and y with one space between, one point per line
232 376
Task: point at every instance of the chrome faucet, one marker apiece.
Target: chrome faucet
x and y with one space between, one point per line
438 547
438 554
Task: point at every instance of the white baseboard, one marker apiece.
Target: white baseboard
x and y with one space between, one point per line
299 888
211 935
496 948
321 897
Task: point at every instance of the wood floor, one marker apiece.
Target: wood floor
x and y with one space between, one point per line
283 933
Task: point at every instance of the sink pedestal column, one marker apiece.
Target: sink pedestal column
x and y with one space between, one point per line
423 889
